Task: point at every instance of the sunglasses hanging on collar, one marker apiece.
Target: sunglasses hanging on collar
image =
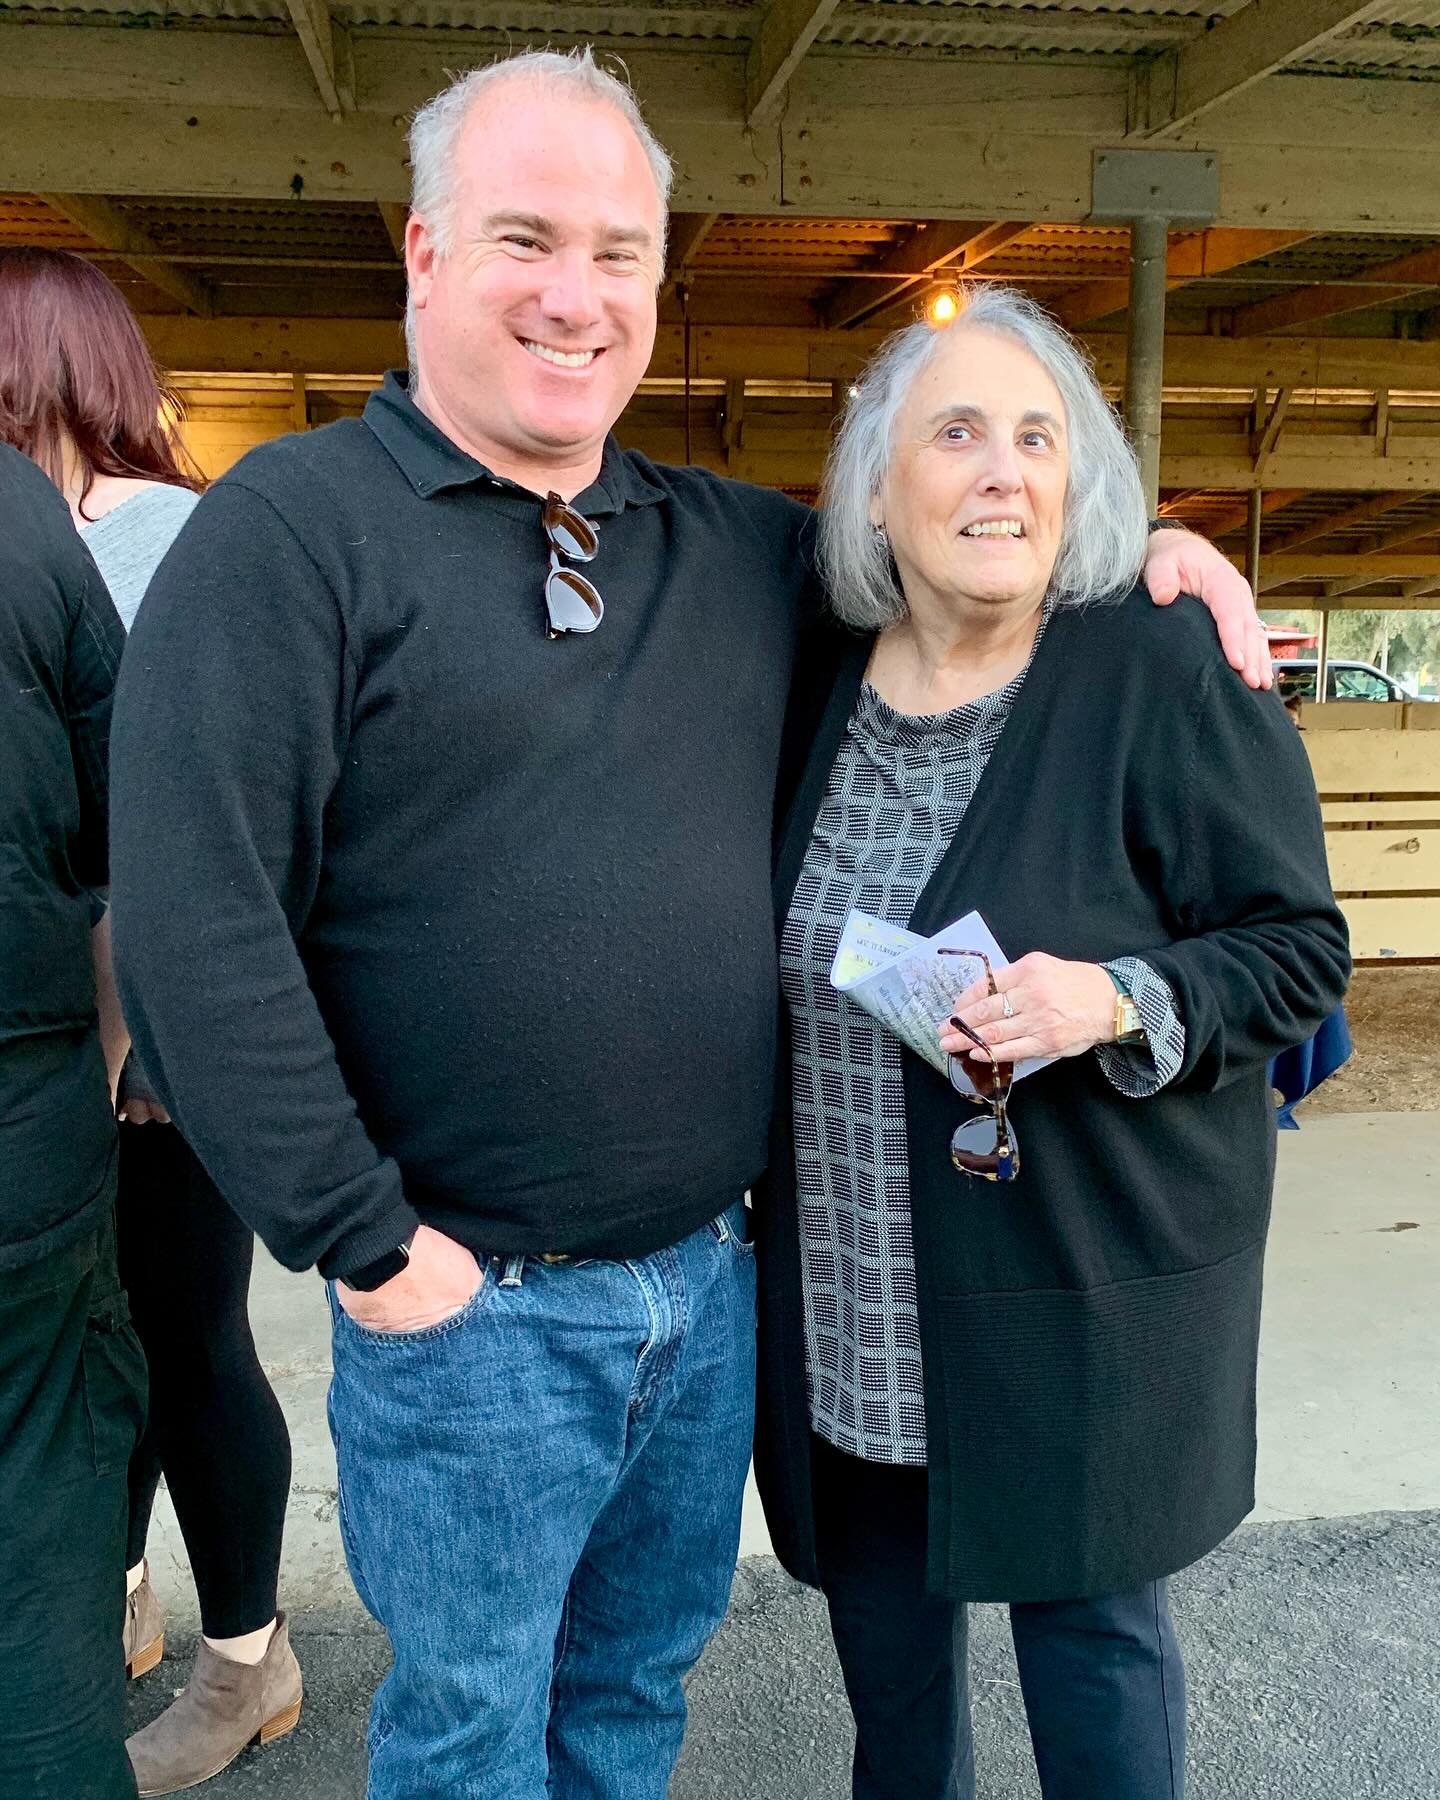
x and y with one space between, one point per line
572 600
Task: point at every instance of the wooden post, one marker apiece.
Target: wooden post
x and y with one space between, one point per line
1252 542
1145 349
1322 660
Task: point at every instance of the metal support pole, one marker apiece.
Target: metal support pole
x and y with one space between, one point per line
1145 349
1322 661
1252 542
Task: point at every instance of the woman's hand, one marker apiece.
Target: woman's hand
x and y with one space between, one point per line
1055 1009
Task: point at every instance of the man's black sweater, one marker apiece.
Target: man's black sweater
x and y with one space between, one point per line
419 913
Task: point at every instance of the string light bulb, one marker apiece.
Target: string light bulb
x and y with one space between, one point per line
943 307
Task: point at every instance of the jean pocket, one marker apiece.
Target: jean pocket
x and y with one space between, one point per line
732 1227
115 1384
424 1334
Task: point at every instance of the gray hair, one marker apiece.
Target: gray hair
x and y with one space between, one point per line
1103 534
436 128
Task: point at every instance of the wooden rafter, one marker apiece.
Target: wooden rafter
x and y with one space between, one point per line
1360 514
1327 300
873 133
1315 566
1268 433
787 31
1265 35
803 353
1191 259
103 221
1273 500
941 245
327 50
686 234
1407 533
396 215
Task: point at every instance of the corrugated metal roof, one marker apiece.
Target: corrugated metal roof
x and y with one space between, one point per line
1404 41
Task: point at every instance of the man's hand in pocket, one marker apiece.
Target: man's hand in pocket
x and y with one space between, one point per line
439 1279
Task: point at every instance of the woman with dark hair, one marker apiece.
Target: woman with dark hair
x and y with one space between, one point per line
80 396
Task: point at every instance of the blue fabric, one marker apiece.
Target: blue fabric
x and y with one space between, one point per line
1300 1071
540 1502
1102 1678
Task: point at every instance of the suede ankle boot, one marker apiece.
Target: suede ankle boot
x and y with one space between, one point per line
226 1706
144 1634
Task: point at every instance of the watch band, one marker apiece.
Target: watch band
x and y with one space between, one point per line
378 1271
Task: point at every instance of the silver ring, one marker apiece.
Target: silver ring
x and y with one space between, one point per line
1005 1007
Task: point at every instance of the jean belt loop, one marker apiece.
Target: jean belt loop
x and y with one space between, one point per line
514 1272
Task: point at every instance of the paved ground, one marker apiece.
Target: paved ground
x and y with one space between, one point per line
1314 1669
1313 1637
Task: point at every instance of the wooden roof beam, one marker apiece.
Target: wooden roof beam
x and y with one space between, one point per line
1361 514
1391 540
1191 259
327 50
1426 526
1310 565
103 221
1266 435
1272 500
396 215
1327 300
939 246
1178 87
787 31
1307 467
803 353
684 236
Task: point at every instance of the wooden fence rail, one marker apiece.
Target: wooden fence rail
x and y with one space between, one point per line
1379 785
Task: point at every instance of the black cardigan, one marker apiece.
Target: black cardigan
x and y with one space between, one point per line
1089 1333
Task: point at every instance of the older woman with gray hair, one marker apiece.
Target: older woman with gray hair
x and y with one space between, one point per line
1009 1337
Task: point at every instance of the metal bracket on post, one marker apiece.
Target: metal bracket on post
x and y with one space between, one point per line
1150 191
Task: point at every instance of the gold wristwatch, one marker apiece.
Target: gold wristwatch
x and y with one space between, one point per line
1129 1029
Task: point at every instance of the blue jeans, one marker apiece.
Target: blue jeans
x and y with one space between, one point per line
540 1502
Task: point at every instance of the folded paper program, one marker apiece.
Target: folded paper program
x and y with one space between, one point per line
905 982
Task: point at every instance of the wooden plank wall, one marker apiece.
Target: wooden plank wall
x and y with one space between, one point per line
1380 798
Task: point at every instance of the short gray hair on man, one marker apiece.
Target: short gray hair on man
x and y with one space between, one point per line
435 129
1103 534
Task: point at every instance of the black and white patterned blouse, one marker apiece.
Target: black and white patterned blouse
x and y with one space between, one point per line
897 793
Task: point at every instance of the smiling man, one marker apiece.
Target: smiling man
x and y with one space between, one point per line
445 755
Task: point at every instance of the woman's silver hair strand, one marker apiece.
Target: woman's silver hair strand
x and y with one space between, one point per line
1103 534
436 128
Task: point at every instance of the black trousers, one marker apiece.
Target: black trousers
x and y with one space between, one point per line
1102 1679
216 1430
72 1404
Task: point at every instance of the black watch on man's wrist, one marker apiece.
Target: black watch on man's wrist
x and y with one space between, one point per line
372 1275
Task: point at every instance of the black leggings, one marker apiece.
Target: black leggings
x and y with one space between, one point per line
216 1430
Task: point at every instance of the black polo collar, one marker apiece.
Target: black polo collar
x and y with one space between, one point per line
433 464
